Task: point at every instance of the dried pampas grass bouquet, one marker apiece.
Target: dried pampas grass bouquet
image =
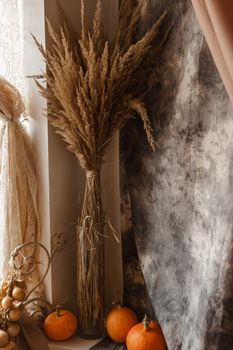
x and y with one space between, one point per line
92 89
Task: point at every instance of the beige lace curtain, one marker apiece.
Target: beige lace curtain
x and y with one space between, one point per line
19 220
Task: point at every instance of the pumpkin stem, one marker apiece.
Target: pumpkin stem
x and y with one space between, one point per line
117 304
58 311
146 322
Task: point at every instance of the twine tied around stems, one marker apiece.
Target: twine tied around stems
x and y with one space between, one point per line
92 173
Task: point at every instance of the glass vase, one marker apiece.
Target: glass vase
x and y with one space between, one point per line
90 261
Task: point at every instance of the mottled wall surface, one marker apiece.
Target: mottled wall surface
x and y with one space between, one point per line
182 195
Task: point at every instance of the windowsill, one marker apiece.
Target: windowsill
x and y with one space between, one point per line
73 343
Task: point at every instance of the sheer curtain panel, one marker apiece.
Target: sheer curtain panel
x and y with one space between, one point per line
19 219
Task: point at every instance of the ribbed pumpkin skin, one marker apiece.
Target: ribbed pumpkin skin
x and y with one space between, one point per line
140 338
119 321
155 325
62 327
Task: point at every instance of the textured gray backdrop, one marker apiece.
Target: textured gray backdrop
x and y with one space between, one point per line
181 196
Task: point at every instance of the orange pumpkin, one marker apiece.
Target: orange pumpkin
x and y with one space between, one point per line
146 335
60 325
119 321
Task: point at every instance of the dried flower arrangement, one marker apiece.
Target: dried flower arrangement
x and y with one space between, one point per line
92 89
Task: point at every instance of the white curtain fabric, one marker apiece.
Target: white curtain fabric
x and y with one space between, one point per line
19 220
11 42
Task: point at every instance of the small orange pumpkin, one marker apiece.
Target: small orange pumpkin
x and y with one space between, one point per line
60 325
146 335
119 321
